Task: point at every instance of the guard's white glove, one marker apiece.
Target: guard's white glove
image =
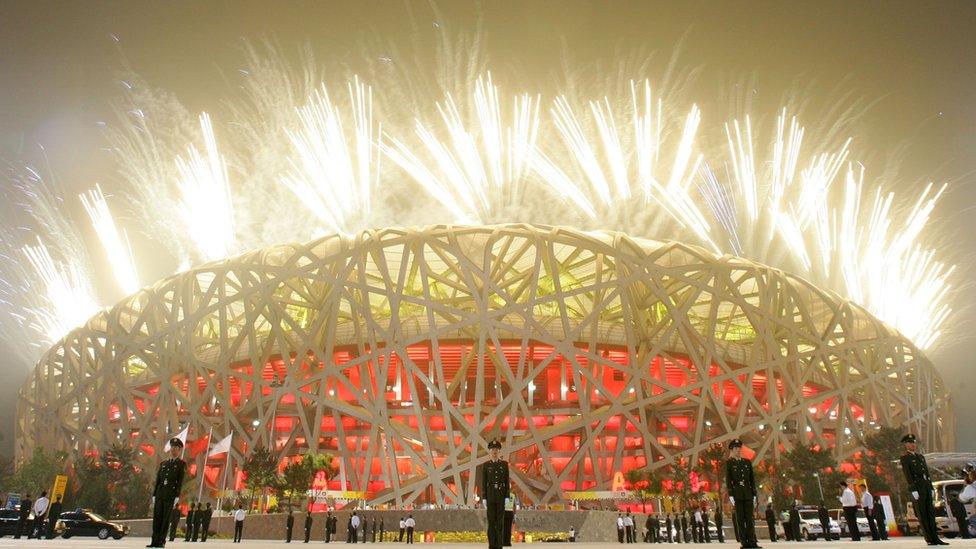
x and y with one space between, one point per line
176 501
732 500
152 502
914 495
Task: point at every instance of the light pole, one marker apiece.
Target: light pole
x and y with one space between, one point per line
819 485
273 440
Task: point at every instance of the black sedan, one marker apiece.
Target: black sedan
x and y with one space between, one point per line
86 523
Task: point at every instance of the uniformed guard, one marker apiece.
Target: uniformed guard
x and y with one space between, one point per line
494 490
166 492
920 485
742 491
197 522
308 525
771 522
289 526
207 517
191 513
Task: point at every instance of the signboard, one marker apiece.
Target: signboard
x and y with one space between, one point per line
889 512
13 501
60 483
594 495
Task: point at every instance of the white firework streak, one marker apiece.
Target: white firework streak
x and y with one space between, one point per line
478 169
628 169
114 241
331 174
68 299
205 203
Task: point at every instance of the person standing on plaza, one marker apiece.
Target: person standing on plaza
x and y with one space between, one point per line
867 503
239 515
653 526
718 520
794 523
920 485
308 525
824 518
849 502
411 524
669 526
205 525
572 534
197 522
705 530
353 528
741 484
771 522
403 529
53 516
695 520
328 527
382 531
620 527
166 491
40 515
23 518
880 520
191 515
494 491
629 528
684 527
289 526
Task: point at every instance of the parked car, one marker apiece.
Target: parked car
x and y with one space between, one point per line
86 523
8 522
662 530
809 525
947 491
862 521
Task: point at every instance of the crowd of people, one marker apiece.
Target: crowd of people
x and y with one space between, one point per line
45 517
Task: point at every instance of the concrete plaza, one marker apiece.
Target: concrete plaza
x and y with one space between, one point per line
139 542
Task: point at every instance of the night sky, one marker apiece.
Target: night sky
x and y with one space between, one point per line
913 64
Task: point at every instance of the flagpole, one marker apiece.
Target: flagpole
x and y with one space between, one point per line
223 483
205 459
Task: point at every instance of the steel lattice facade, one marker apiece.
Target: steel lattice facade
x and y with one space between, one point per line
403 352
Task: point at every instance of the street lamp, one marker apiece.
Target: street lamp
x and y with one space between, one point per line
819 485
275 385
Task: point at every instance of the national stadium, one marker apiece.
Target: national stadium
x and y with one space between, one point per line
403 352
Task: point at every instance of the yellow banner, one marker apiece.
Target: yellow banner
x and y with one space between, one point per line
60 483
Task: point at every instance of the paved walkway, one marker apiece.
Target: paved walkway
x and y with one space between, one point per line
138 543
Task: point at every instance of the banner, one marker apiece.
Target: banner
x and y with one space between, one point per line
221 447
60 483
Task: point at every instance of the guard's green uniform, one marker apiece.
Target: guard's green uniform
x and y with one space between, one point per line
741 484
494 490
917 474
169 480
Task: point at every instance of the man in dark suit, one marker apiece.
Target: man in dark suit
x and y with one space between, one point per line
22 519
289 526
920 485
53 516
191 515
207 517
771 522
741 484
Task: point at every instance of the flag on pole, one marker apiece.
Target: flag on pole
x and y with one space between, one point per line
182 436
221 447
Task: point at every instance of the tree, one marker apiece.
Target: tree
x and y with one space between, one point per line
679 474
298 476
711 462
805 464
880 464
260 471
644 484
37 473
112 484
